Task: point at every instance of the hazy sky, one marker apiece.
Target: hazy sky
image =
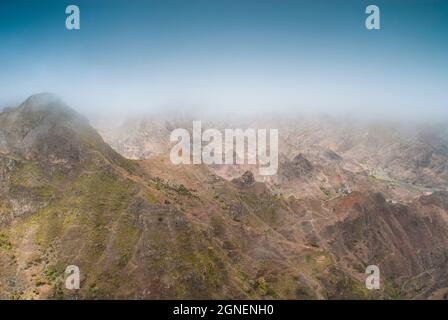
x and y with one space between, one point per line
236 55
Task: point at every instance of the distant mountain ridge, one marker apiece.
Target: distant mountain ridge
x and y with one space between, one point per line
410 153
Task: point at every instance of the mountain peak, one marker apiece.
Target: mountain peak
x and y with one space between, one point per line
43 98
44 127
49 104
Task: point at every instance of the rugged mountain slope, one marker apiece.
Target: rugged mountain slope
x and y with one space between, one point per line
68 199
150 229
408 242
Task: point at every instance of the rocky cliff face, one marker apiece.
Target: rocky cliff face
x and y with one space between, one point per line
152 230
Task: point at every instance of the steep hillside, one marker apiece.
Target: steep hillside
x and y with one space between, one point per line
68 199
148 229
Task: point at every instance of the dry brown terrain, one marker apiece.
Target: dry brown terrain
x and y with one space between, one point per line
345 197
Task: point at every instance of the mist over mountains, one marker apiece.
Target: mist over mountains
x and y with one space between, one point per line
347 195
359 182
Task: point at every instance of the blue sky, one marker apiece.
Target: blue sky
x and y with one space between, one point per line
252 55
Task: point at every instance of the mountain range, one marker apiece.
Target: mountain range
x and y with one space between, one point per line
347 195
